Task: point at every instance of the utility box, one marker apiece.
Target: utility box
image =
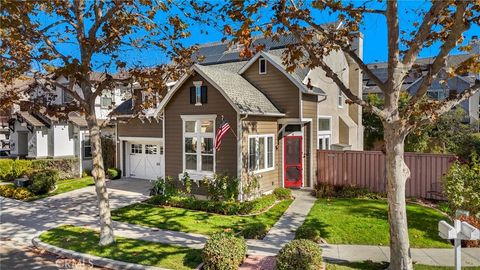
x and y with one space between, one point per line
21 182
340 146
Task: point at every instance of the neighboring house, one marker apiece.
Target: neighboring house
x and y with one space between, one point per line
35 134
277 121
438 90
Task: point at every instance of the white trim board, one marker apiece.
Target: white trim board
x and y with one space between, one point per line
140 139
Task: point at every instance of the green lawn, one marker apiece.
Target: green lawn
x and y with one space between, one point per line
364 221
124 249
67 185
179 219
374 266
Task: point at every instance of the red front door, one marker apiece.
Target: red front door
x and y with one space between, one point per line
292 158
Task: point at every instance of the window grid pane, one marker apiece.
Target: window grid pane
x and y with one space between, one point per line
136 149
252 155
151 149
261 153
270 152
323 124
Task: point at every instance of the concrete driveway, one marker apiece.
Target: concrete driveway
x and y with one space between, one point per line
21 221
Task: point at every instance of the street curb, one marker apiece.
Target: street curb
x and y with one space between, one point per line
95 260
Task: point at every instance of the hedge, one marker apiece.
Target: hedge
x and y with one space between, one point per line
218 207
11 169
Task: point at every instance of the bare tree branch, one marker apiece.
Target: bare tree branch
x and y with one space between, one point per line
350 8
446 105
417 42
459 26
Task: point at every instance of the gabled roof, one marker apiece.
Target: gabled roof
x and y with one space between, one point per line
380 69
295 77
243 96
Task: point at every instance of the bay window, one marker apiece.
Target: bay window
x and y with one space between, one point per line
261 153
198 143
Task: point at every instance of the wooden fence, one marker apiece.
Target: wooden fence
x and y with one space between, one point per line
367 169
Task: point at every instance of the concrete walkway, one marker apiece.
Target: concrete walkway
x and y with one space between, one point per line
22 221
284 230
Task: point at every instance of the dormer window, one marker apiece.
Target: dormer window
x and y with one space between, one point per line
198 94
262 66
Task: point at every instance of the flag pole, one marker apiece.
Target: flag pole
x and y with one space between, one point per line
231 129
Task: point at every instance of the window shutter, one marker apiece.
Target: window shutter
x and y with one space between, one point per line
192 95
204 94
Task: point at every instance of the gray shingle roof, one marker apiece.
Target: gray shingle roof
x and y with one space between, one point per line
125 108
380 69
244 95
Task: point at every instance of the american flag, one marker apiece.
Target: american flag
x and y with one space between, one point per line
222 130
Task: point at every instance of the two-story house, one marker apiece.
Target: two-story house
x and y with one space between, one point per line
34 134
277 120
442 86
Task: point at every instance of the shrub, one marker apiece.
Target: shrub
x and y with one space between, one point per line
349 191
282 193
6 169
254 231
300 254
475 222
461 185
164 187
251 186
222 187
67 167
327 190
43 181
257 205
308 233
21 168
223 252
218 207
22 193
86 173
324 190
7 191
114 173
187 183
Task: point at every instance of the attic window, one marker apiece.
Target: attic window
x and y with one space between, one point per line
198 94
262 66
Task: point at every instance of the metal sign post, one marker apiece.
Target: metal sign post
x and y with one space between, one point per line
460 231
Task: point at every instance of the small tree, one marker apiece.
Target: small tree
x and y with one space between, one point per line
442 22
79 37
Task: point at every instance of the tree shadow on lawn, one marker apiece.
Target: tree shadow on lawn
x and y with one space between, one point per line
127 250
419 217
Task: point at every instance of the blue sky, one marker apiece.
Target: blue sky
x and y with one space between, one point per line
374 31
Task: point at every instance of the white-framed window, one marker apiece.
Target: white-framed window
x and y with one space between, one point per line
198 143
324 132
151 149
340 99
198 92
136 148
261 153
262 66
87 147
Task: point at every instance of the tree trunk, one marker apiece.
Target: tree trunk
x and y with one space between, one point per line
397 175
98 173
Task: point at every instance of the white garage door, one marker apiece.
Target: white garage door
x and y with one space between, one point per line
145 160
